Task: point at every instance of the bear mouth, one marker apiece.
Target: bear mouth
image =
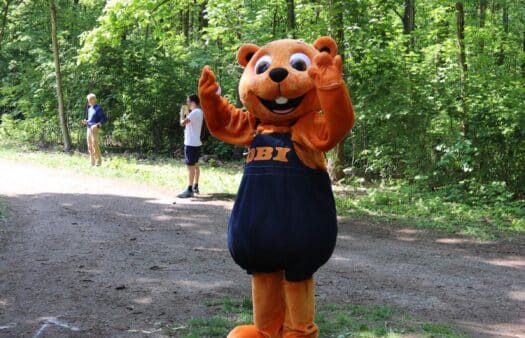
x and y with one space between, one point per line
282 105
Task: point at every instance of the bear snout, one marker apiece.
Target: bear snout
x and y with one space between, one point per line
278 74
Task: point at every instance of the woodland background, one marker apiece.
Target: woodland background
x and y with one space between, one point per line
438 86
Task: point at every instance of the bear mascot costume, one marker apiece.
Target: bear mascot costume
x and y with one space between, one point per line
283 225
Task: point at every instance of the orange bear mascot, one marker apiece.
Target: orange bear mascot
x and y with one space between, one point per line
283 225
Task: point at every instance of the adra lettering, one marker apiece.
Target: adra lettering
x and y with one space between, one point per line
267 154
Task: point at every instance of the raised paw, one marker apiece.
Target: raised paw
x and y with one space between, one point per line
327 72
208 84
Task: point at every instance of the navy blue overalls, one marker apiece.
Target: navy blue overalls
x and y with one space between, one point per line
284 216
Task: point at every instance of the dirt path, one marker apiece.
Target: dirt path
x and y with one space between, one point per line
89 257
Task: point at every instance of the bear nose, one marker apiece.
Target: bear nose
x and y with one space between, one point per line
278 74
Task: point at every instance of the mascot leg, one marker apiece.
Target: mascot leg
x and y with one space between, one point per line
268 308
300 309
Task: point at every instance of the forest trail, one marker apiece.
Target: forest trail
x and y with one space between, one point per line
82 256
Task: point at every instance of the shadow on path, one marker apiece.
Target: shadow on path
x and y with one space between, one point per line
116 265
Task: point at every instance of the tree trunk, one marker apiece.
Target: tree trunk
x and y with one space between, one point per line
5 12
337 31
482 12
186 24
505 18
482 15
191 22
523 57
409 22
275 21
61 113
290 11
505 23
462 62
203 22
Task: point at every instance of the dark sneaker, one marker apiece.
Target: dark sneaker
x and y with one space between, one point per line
196 190
185 194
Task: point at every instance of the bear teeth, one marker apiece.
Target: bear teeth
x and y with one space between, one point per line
281 100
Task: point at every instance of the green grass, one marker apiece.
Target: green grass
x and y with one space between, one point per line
334 320
161 172
407 205
471 213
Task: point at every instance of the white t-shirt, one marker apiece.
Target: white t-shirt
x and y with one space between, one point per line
192 131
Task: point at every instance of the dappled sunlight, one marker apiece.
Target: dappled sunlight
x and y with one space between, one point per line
188 225
517 262
345 237
452 241
517 295
163 218
118 213
509 261
143 300
158 201
501 330
224 204
200 248
339 258
408 235
7 326
3 302
145 331
205 285
408 231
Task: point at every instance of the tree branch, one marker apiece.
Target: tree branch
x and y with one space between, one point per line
398 14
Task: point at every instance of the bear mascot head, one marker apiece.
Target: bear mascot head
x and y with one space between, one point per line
283 225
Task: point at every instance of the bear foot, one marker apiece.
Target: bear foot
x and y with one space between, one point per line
247 331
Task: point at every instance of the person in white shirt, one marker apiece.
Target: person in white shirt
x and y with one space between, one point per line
192 144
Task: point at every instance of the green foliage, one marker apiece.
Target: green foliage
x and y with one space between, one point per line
416 120
334 321
232 305
215 326
38 130
221 150
485 211
439 330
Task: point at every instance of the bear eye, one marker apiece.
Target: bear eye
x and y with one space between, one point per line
263 64
300 61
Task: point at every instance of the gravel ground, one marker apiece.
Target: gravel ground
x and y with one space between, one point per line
82 256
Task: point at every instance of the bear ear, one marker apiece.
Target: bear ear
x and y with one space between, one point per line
245 53
326 44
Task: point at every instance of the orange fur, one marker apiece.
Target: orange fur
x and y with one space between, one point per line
318 123
311 103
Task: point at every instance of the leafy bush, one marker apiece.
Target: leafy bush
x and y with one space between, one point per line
483 211
38 130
